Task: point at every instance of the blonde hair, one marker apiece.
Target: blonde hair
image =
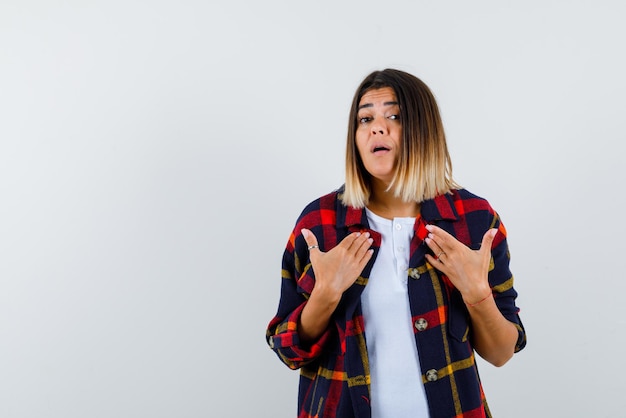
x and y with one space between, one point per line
424 167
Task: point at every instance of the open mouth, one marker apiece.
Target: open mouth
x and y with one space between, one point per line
380 148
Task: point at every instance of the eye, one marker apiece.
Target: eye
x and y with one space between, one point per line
394 117
364 119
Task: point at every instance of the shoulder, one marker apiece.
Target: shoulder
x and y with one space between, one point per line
464 194
327 202
320 217
466 201
475 216
321 210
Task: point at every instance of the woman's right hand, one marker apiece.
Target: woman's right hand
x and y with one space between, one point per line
337 269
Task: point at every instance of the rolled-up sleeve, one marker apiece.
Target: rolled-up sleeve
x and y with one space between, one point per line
282 332
501 281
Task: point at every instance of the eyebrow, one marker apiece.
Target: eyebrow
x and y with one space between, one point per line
372 105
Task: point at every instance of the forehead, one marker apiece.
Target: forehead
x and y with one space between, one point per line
384 95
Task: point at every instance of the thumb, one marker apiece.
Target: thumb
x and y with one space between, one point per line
310 238
488 240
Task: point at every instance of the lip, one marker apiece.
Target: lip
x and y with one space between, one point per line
379 147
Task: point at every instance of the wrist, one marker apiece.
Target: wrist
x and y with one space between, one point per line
474 302
325 296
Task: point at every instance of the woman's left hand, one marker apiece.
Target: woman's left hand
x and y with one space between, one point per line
467 269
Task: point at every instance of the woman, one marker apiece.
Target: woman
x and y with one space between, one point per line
391 283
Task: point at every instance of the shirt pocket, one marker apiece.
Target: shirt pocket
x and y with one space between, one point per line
459 323
458 318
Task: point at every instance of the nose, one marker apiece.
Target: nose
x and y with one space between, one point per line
379 127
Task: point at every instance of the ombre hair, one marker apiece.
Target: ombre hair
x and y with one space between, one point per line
424 167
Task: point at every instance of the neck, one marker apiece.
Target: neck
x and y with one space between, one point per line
385 204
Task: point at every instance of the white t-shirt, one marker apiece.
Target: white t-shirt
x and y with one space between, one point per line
396 385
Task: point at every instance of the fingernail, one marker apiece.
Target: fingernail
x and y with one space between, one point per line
305 233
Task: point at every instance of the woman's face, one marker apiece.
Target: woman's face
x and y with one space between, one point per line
379 133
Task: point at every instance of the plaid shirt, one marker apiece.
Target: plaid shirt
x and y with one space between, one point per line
334 371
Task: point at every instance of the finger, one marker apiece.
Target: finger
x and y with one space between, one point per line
442 238
433 244
485 246
361 239
363 250
310 238
362 245
488 238
436 263
349 241
357 243
365 258
437 250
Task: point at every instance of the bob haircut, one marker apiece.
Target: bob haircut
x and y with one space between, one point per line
424 167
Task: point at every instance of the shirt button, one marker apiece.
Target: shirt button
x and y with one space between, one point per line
431 375
414 274
398 227
421 324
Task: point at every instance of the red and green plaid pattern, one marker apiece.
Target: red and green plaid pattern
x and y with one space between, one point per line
334 370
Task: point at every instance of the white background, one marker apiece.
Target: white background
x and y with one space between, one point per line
154 156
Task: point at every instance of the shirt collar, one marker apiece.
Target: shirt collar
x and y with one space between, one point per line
440 208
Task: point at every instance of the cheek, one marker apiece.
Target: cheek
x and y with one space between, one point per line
360 144
399 136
